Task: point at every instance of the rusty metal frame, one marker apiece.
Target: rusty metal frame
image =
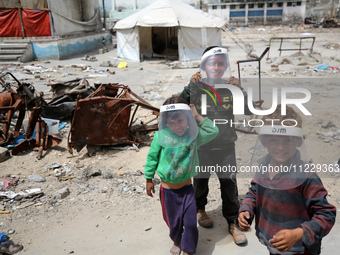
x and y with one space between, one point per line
259 63
43 140
260 101
106 117
292 38
12 101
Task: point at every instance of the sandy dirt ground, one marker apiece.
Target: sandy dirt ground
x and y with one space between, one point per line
111 213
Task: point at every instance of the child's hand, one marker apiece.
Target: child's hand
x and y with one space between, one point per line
243 218
286 238
234 81
196 77
150 188
197 116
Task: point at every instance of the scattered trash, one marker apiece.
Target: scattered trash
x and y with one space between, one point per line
62 125
88 58
2 236
330 22
147 228
36 178
21 195
102 51
106 64
322 67
11 231
55 165
122 64
332 45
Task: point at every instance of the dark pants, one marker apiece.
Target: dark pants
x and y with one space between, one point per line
306 253
179 213
228 183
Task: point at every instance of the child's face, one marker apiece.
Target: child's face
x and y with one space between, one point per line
280 148
178 124
215 67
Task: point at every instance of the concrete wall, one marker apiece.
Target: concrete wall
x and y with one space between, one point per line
293 14
28 54
63 48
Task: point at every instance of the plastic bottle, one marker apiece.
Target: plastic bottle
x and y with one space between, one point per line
36 178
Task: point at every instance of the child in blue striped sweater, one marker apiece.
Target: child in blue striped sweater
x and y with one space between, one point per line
286 197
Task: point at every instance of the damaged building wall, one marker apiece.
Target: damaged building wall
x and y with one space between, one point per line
273 12
259 12
317 9
72 17
293 12
39 4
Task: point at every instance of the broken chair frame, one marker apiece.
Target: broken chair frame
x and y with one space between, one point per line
104 118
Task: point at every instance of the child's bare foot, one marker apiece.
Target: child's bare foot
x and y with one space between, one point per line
176 249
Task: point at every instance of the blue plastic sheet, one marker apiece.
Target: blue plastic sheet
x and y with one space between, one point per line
322 67
62 125
2 236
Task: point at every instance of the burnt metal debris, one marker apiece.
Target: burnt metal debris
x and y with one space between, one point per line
19 97
103 115
330 22
14 97
42 141
108 117
64 98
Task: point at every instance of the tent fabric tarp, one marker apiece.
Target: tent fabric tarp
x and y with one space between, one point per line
72 17
196 30
36 23
68 17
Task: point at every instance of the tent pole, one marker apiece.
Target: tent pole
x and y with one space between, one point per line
21 21
166 43
104 15
180 32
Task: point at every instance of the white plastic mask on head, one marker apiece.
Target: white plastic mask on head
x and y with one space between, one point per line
279 159
177 126
215 66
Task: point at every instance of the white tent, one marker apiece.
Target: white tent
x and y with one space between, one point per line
167 28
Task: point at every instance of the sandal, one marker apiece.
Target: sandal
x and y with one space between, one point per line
8 247
204 220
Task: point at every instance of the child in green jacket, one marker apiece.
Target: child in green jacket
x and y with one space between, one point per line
173 155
